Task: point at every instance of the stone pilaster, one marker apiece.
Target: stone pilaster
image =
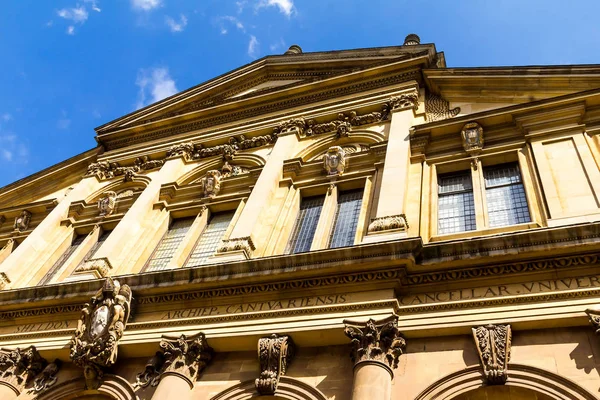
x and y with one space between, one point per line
493 345
17 368
376 349
274 355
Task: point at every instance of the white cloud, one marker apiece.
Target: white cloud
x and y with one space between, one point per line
277 45
11 146
253 46
71 30
285 6
7 155
146 5
176 26
94 5
77 14
6 117
233 21
155 83
240 5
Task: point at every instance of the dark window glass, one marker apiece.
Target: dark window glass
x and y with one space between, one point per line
456 207
169 243
306 224
209 239
346 218
90 254
77 240
506 201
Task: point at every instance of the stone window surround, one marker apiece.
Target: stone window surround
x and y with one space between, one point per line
476 165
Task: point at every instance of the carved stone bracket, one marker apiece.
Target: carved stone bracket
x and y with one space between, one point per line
47 377
594 316
243 243
389 223
185 356
101 325
274 355
22 221
100 267
19 366
437 109
493 344
376 341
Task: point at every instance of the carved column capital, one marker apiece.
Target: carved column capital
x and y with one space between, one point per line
493 345
377 341
275 353
185 150
185 356
404 101
19 366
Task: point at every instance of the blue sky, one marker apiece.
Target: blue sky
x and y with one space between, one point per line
69 66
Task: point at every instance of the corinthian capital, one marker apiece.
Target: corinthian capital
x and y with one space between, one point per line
493 345
404 101
274 354
379 341
19 366
185 356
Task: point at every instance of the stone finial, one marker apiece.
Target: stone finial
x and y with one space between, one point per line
101 325
493 345
594 316
412 39
472 138
389 223
47 377
106 203
185 356
275 353
334 161
294 49
210 184
22 221
19 366
376 341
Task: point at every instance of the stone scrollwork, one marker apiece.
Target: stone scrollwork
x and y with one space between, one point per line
376 341
210 184
22 221
472 138
103 320
151 374
334 161
19 366
389 223
244 243
274 355
185 356
47 377
493 345
106 203
594 316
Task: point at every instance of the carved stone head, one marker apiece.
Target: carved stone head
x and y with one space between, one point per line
472 137
211 183
22 221
334 161
106 204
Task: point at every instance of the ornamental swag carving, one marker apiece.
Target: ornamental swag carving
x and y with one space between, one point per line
376 340
47 378
22 221
274 355
106 203
186 357
19 366
334 161
210 185
103 320
493 345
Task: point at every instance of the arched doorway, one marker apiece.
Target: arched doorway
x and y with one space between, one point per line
113 387
287 389
504 392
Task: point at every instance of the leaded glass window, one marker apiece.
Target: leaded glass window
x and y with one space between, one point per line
209 239
346 218
456 206
90 254
77 240
169 243
505 194
306 224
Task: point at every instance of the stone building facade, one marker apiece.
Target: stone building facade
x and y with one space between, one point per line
360 224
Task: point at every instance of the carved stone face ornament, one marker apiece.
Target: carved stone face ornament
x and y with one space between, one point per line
211 183
334 161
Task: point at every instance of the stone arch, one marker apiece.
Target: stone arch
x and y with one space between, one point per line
547 384
287 389
242 160
113 387
362 136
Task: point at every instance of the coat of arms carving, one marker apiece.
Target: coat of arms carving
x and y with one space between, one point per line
106 204
211 183
99 329
334 161
22 221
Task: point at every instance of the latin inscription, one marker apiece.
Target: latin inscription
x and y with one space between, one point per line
45 326
555 285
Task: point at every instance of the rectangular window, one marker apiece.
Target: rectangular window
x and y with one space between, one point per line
505 195
77 240
90 254
209 239
306 224
346 218
456 206
168 244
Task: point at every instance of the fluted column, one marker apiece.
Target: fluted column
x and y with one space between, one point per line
18 367
180 362
376 349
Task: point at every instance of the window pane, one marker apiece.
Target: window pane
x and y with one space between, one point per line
506 201
209 240
77 240
169 243
456 207
306 224
346 218
95 247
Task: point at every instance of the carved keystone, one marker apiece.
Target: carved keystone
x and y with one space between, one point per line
185 357
19 366
275 353
493 345
377 341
